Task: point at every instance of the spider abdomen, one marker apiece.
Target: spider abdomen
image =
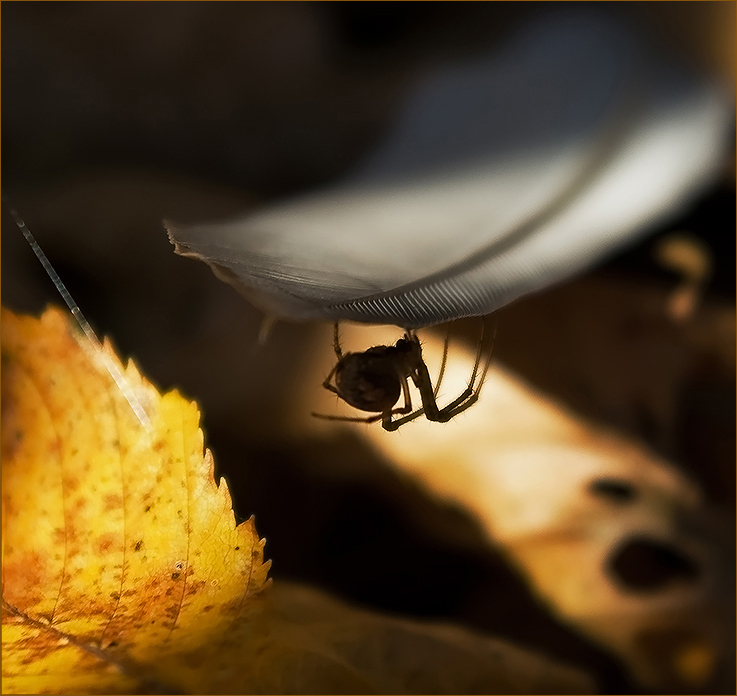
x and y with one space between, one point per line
368 381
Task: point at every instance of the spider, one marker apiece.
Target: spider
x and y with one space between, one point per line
374 380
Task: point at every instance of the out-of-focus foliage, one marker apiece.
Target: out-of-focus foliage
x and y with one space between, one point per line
195 118
123 569
611 536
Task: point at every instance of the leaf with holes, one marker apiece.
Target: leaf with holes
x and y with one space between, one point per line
122 564
612 537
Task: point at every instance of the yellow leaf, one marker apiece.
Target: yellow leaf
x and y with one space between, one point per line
122 564
124 570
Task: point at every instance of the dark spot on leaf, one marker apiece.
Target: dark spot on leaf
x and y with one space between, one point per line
209 607
237 548
138 546
147 508
113 501
105 543
175 576
616 490
648 565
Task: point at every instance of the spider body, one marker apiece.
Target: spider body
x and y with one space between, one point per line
374 380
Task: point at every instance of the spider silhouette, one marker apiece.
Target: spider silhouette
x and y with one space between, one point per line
374 380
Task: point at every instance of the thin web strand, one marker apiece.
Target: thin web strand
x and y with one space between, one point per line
118 377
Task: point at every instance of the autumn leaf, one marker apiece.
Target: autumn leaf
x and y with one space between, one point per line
124 570
570 503
120 553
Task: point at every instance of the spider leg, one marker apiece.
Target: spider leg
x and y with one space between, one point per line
388 423
421 378
386 416
444 414
394 424
336 342
487 364
470 395
327 384
354 419
443 363
479 353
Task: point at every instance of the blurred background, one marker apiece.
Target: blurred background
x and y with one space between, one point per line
118 115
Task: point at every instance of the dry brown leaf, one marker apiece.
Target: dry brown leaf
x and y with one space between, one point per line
312 643
526 470
124 570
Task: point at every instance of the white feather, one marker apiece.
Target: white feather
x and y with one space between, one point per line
499 178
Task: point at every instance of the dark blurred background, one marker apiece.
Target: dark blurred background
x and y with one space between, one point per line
117 115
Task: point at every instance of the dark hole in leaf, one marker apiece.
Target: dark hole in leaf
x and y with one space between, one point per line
647 565
615 490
